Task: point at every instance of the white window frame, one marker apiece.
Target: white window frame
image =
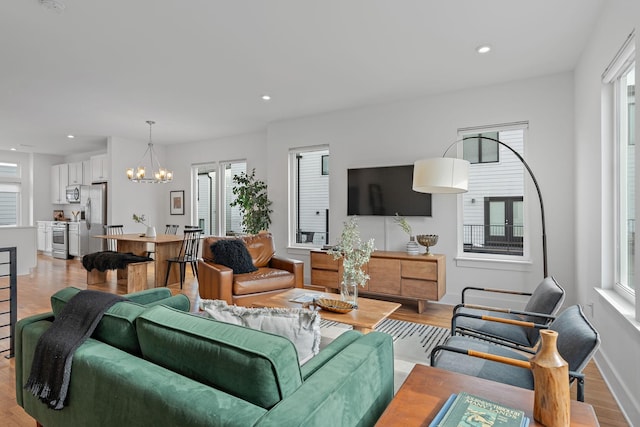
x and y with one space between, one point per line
619 67
220 200
497 261
293 201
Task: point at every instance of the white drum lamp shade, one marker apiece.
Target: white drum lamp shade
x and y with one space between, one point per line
441 175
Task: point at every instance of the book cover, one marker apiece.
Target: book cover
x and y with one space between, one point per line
306 298
443 410
473 411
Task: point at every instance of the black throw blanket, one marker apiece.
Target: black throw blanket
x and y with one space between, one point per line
51 366
110 260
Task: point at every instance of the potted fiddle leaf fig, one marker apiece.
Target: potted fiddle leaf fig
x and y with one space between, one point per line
252 200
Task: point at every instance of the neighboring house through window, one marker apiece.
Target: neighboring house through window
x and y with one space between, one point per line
309 198
493 208
10 185
213 184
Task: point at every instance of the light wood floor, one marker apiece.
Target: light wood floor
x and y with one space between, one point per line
52 274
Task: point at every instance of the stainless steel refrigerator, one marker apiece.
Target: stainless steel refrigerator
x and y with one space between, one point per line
93 199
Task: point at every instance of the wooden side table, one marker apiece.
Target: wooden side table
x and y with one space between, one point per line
426 390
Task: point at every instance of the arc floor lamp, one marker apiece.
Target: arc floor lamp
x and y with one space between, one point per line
451 175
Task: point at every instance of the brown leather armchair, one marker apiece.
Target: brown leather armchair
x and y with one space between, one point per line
274 274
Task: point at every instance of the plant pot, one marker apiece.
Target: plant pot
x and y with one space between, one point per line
413 248
151 232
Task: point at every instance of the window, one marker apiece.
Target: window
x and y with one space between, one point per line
206 206
619 95
625 104
480 150
309 198
232 220
9 194
213 187
493 208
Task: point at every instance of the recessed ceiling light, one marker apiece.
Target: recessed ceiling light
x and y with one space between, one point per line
266 98
12 148
70 136
483 49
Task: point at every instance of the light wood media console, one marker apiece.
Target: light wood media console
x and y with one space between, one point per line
393 274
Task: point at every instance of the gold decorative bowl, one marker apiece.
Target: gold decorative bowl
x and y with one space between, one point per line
427 240
334 305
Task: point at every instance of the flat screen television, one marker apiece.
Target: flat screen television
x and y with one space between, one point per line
385 191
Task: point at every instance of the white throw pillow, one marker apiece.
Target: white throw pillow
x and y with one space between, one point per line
300 325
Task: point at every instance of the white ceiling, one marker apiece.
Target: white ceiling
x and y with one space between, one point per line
199 67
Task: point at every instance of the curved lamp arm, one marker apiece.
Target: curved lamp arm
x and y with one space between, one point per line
535 182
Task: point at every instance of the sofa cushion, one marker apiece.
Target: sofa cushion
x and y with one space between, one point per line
117 327
256 366
251 283
234 254
300 325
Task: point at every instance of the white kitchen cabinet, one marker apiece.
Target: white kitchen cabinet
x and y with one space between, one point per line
41 236
59 182
74 239
48 243
86 172
99 168
75 173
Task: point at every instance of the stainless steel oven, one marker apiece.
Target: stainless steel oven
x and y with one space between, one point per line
60 240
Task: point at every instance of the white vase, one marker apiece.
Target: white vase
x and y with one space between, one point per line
413 248
151 232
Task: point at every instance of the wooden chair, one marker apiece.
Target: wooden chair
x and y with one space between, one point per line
111 230
188 254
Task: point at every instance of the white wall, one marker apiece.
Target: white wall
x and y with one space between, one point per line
124 197
403 132
594 247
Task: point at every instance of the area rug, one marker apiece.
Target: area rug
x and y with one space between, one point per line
412 342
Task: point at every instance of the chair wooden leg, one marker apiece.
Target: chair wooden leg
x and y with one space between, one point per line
194 269
183 271
166 279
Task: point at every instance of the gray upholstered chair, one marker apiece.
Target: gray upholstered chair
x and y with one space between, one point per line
483 322
577 342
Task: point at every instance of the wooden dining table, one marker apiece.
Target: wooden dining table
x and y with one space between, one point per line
166 246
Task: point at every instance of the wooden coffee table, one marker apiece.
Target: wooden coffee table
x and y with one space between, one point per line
365 318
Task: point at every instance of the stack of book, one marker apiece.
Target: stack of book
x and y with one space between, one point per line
467 410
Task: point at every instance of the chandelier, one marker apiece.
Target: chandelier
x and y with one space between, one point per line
149 170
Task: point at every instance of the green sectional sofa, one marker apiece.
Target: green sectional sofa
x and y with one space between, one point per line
152 363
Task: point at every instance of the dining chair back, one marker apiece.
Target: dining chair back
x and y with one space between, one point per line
188 254
111 230
171 229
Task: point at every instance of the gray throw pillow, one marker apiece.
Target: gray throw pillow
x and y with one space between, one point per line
300 325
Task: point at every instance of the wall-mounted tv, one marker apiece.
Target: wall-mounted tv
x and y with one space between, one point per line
385 190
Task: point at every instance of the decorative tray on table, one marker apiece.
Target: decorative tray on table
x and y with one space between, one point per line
334 305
